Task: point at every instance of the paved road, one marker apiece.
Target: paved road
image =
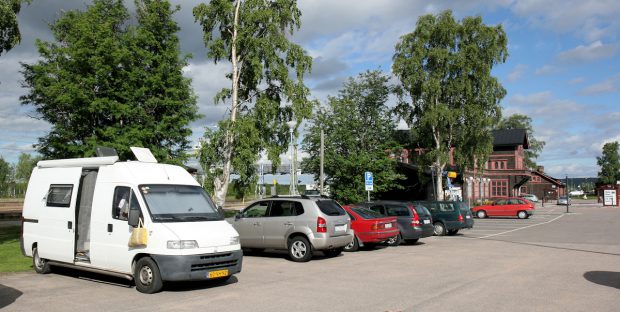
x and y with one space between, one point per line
552 262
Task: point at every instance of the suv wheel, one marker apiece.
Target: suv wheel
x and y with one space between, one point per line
299 249
522 214
439 229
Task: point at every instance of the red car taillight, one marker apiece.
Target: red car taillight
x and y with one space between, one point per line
374 226
321 225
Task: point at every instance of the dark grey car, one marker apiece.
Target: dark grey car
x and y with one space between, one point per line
447 217
414 222
466 213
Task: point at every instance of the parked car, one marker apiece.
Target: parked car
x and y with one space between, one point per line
447 217
531 197
414 222
83 213
468 215
505 207
576 193
370 227
298 224
564 200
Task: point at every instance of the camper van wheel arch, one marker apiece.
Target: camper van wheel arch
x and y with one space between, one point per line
39 264
146 276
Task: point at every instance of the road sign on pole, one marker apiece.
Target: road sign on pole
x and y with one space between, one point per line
368 180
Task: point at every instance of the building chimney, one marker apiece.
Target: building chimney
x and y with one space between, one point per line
540 169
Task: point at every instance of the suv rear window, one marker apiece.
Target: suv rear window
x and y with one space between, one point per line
421 210
330 208
398 210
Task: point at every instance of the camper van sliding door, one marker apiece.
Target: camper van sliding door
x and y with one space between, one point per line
57 221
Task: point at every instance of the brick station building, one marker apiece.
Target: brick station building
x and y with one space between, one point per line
505 173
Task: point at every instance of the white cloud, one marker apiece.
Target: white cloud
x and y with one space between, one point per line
576 81
609 85
589 19
545 70
593 52
517 72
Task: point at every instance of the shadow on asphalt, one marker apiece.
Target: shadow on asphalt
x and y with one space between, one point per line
198 285
282 254
91 276
8 295
605 278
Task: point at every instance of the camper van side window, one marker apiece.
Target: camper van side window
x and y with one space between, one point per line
124 199
59 195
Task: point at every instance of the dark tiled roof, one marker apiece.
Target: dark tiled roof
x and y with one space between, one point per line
510 137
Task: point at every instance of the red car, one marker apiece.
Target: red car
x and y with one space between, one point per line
370 227
505 207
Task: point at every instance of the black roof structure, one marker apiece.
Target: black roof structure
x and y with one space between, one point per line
510 137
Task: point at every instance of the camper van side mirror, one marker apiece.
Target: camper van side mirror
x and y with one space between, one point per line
134 217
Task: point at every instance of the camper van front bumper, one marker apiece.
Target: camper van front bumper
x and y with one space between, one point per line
198 267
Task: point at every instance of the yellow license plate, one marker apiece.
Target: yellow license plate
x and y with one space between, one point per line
218 273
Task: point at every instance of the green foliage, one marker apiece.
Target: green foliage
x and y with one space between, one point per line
11 258
448 95
518 121
5 176
358 137
104 82
24 166
269 71
9 29
609 162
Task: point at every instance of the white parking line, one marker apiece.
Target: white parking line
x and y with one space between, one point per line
521 228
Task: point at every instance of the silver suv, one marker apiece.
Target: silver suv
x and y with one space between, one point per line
300 225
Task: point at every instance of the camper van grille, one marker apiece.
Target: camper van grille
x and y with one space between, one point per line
213 265
214 257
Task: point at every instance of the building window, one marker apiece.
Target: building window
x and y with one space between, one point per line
499 188
536 179
501 164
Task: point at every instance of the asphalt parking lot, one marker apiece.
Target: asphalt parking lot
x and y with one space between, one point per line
550 262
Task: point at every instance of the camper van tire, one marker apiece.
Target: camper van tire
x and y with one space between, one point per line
40 265
147 276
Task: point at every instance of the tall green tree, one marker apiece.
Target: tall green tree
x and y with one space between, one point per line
519 121
359 134
5 176
609 162
10 35
105 82
24 166
267 71
450 99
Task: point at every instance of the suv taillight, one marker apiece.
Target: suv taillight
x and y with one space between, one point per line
321 225
460 217
415 221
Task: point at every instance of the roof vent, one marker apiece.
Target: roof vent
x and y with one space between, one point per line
103 151
143 154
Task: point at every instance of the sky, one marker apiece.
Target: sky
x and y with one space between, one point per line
563 68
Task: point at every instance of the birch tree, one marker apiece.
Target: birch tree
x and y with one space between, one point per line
450 99
267 71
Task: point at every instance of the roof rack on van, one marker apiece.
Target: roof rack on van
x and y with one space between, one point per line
89 162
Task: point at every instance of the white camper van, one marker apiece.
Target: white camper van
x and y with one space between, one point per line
81 213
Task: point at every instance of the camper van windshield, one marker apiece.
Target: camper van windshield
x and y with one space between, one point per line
179 203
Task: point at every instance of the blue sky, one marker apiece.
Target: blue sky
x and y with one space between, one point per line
563 69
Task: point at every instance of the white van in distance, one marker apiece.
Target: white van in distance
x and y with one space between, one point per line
81 213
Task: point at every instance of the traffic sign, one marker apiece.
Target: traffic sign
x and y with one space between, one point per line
368 181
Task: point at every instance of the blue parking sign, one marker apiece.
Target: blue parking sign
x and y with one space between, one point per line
368 180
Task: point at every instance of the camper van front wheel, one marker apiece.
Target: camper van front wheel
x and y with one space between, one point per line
147 277
40 265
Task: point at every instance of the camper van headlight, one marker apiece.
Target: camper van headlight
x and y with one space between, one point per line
182 244
234 240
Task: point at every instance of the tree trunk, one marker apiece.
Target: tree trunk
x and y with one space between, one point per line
220 183
439 181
